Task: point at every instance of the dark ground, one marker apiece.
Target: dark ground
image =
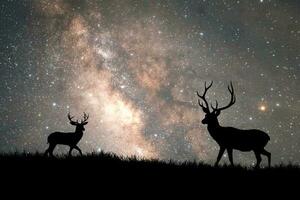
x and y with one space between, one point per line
103 170
105 162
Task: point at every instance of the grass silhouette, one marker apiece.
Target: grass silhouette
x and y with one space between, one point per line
112 162
107 172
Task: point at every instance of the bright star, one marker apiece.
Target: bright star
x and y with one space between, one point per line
262 108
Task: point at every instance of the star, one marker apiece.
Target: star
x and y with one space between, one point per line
262 108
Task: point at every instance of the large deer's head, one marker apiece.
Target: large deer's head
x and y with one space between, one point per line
211 117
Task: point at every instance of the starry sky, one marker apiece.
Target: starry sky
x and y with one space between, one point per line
134 66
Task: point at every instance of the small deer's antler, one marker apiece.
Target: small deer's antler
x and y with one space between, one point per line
85 118
71 121
206 107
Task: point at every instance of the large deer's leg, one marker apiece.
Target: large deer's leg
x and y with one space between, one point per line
258 158
268 154
229 151
221 151
70 151
78 149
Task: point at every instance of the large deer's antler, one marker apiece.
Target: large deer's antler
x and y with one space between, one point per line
204 108
232 100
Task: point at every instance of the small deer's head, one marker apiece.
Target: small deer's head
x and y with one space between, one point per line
211 117
79 125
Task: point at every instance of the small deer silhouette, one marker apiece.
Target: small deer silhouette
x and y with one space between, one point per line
71 139
229 138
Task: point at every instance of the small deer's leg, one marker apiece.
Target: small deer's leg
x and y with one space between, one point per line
258 158
229 151
221 151
268 154
47 151
70 151
78 149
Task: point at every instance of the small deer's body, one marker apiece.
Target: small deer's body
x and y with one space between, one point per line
229 138
70 139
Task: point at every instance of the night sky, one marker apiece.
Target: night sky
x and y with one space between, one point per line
135 66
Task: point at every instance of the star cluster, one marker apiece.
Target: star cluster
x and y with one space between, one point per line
134 66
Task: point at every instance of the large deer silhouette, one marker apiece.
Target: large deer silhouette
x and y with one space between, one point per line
229 138
71 139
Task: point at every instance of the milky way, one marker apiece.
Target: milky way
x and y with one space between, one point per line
135 66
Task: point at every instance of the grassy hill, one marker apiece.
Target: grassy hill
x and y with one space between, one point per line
103 171
110 162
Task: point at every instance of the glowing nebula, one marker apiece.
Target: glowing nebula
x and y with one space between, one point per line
116 77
